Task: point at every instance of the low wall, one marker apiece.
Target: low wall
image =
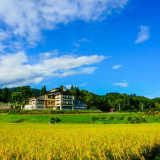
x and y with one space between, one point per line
5 107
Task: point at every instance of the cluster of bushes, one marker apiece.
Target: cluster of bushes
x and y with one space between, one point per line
14 111
117 117
56 111
10 111
135 119
131 119
53 120
4 110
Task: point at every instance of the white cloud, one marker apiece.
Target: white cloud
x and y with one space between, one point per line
26 19
16 69
150 97
121 84
78 42
84 84
116 66
68 86
143 35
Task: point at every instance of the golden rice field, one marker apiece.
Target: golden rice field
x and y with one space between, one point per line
61 141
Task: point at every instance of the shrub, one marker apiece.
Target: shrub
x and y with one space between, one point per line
111 118
4 110
57 119
94 118
119 118
19 120
14 111
53 120
127 118
103 117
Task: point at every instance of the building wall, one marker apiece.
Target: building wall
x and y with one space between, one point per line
59 101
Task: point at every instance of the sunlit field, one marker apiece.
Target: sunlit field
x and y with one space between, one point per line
62 141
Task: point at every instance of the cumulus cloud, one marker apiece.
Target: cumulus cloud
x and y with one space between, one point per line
68 86
16 69
121 84
116 66
149 97
27 18
143 35
83 84
78 42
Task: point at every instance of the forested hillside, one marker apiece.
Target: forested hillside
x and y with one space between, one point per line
121 102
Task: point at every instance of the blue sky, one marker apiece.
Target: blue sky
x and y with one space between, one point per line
99 45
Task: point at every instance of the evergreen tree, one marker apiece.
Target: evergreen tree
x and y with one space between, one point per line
61 87
6 95
43 90
25 92
0 94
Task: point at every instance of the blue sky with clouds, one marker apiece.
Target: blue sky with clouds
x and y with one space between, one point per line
99 45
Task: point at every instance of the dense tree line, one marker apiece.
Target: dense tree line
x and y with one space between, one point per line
121 102
20 94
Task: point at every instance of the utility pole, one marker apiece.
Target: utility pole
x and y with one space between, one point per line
142 106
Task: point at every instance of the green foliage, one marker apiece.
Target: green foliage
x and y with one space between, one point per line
53 120
17 94
5 95
124 102
19 120
111 117
131 102
14 111
0 94
103 117
4 110
57 111
94 118
127 118
43 90
135 119
25 92
77 118
119 117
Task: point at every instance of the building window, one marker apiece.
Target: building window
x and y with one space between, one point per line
69 102
64 102
64 96
40 102
69 96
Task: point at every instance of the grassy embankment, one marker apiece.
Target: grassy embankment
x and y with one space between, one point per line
87 118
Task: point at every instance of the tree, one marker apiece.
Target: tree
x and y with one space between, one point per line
16 96
61 87
0 94
25 92
43 90
6 95
96 102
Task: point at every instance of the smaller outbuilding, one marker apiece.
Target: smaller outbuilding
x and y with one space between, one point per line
112 109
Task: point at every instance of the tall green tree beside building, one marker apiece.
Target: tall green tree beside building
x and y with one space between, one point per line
6 95
25 92
0 94
43 90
